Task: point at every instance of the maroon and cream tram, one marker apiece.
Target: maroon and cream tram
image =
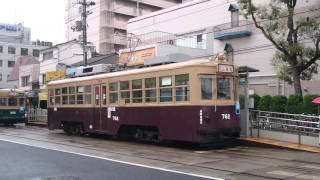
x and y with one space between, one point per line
193 101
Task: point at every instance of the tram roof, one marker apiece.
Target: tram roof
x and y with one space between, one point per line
134 71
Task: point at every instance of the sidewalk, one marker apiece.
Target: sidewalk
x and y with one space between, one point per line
283 144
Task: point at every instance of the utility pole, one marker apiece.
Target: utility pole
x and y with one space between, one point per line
84 16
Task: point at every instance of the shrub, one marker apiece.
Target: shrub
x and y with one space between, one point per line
279 103
295 104
265 103
309 107
256 100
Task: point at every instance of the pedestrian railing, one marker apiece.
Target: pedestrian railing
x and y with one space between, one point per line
300 124
37 116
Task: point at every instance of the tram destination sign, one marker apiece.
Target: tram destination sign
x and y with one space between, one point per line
225 68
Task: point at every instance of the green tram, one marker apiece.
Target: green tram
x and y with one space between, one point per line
12 106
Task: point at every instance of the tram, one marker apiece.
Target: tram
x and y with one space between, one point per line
12 106
191 101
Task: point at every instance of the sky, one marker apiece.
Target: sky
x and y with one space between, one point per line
46 18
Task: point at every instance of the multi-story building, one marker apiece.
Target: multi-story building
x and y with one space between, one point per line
59 57
108 19
218 26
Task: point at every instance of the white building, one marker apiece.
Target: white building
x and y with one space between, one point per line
59 57
214 25
107 23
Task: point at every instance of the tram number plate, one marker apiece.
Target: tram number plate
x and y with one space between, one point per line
13 112
226 116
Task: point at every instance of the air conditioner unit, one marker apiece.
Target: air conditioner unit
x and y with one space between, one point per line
91 70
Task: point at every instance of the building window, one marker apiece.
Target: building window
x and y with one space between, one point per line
35 53
43 78
48 55
233 8
182 87
223 88
25 81
24 51
206 88
1 49
11 50
150 90
165 89
199 38
1 63
11 63
0 77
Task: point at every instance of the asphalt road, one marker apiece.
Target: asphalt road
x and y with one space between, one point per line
21 162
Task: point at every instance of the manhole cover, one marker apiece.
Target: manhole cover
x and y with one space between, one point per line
59 178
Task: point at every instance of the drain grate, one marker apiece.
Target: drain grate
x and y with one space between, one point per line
59 178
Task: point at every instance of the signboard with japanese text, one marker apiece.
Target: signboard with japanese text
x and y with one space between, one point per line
55 75
137 57
225 68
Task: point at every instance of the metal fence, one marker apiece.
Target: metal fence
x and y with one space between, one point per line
300 124
37 116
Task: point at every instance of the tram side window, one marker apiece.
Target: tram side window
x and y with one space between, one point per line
150 90
3 101
51 97
165 89
104 95
113 90
12 101
87 95
223 88
137 91
206 88
182 87
21 102
72 95
124 91
57 99
64 96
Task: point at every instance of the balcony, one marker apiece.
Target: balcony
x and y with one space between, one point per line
226 31
122 40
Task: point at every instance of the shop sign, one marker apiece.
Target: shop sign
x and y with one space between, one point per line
55 75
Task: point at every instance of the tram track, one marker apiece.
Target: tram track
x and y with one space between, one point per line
75 142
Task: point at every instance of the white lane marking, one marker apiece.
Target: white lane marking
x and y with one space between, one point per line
117 161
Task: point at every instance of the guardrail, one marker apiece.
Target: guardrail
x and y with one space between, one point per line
300 124
37 116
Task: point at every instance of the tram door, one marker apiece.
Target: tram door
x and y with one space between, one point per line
100 101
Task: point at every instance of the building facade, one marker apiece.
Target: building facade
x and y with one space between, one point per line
108 19
59 57
218 26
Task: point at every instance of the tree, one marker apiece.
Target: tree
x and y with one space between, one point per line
288 31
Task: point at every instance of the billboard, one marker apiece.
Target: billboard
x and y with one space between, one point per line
137 57
55 75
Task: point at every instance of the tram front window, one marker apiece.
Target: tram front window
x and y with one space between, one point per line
206 88
223 88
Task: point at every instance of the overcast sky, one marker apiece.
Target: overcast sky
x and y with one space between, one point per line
46 18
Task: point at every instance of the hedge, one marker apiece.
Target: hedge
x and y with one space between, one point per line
293 104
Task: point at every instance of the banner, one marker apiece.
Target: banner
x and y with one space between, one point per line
137 57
